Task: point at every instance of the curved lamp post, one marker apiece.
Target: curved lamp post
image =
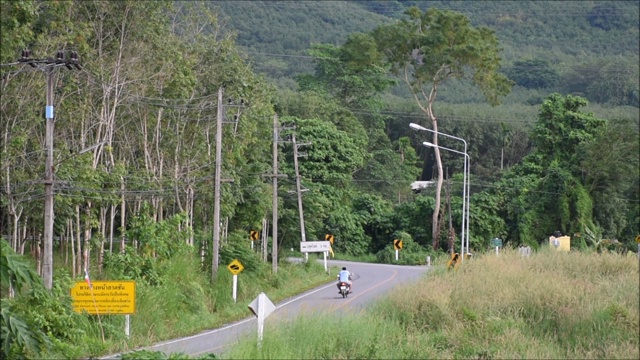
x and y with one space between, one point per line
465 189
465 185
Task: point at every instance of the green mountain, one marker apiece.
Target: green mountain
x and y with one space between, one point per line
589 48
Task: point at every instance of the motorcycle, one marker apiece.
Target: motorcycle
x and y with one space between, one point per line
344 289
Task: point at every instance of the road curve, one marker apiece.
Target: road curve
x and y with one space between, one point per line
370 282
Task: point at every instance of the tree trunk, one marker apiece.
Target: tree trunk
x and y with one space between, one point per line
112 219
123 207
73 248
103 232
79 242
87 236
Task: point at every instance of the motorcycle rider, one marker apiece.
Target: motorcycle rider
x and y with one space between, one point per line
345 276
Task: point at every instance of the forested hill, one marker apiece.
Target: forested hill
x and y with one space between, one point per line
568 46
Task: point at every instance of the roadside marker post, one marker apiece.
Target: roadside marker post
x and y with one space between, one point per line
235 267
397 245
497 243
261 307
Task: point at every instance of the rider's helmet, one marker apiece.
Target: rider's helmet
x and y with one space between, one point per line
344 268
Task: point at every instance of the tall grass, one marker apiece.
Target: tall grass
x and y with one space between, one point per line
186 302
550 305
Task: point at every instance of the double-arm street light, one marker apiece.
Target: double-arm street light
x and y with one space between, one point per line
465 190
465 184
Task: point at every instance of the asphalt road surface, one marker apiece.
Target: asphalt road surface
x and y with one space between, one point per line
370 281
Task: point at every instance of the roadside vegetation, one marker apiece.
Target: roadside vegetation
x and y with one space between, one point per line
551 305
174 298
162 108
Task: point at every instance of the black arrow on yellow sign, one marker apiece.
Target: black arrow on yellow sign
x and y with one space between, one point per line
397 244
254 235
329 238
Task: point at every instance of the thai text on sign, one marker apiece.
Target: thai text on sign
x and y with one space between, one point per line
106 297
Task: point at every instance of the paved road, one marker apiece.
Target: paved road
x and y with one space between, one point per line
370 282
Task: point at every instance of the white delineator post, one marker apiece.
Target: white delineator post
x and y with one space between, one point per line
261 308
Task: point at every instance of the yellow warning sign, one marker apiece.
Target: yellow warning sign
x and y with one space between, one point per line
105 297
329 237
235 267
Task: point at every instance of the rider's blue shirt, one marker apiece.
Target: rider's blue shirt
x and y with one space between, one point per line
344 275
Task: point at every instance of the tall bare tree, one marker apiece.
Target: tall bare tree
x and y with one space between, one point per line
430 47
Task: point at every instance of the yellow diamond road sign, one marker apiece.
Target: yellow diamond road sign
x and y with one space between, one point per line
235 267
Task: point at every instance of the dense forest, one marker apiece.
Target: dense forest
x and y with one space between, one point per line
163 110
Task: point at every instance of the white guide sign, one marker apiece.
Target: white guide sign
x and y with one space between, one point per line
314 246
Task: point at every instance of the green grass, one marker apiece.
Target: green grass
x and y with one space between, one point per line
186 303
550 305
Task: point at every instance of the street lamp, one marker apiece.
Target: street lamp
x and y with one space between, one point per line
465 190
465 184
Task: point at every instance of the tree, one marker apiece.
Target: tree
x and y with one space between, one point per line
19 339
561 128
547 190
611 166
353 73
606 17
427 49
533 74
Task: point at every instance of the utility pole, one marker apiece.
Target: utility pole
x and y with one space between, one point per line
216 196
218 174
274 225
49 65
299 191
47 261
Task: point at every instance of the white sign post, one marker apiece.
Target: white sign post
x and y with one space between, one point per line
397 251
127 320
325 261
261 308
235 287
316 246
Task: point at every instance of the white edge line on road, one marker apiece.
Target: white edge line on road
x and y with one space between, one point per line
247 319
239 322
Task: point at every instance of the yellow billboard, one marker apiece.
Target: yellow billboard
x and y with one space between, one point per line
105 297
